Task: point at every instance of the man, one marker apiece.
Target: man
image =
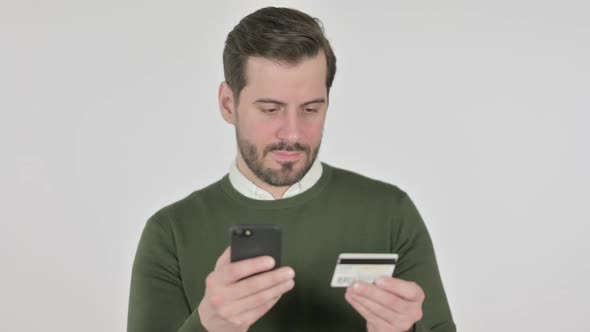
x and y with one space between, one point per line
279 68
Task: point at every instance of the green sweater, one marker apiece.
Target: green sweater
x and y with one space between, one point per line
342 212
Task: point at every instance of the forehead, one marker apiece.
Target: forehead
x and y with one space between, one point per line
285 81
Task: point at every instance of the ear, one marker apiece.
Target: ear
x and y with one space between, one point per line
226 103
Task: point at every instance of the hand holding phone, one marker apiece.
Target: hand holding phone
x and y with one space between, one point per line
239 293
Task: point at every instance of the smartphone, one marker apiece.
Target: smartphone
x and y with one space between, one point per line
253 240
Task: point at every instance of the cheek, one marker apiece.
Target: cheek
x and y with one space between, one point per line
259 134
313 132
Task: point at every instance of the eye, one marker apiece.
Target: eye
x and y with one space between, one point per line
311 110
269 110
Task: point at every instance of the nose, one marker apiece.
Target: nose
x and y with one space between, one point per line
290 127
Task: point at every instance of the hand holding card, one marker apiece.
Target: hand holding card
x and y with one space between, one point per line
388 305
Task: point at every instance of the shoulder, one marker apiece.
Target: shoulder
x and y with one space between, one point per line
349 181
188 206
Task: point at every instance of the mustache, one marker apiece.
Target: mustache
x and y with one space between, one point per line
283 146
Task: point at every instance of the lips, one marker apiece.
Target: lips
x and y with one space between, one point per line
286 155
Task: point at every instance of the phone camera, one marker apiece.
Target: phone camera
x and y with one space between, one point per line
242 232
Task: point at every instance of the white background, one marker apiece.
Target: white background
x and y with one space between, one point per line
479 110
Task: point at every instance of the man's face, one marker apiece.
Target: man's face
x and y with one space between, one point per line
280 117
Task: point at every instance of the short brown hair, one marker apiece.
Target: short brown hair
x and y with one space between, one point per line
283 34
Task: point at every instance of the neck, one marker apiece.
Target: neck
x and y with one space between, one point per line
276 192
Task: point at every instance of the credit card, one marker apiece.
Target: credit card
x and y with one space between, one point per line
366 267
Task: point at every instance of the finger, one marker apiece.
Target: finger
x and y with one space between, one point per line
224 259
376 309
249 317
233 272
259 283
403 321
362 310
379 295
369 316
408 290
236 308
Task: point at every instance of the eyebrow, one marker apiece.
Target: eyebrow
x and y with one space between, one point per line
282 103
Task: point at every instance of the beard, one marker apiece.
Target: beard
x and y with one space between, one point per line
287 174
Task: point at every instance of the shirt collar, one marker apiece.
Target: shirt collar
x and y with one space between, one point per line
247 188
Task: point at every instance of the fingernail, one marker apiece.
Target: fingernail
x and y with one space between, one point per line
357 286
290 273
269 262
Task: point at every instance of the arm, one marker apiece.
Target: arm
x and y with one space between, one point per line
232 302
413 300
418 263
157 300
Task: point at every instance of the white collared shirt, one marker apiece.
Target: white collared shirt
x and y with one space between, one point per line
247 188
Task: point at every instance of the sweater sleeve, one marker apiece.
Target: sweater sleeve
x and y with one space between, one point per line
417 262
157 300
